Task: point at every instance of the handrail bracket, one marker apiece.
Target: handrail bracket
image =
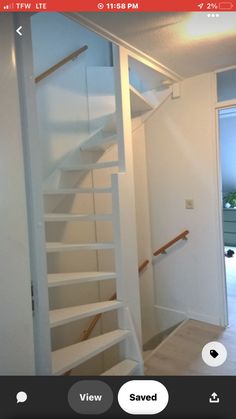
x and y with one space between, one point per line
181 236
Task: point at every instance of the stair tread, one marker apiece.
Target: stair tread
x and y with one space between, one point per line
139 103
67 358
99 142
59 279
125 367
58 246
91 166
65 191
75 217
65 315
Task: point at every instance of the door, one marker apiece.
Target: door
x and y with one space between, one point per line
226 117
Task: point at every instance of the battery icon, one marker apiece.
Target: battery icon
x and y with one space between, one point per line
226 5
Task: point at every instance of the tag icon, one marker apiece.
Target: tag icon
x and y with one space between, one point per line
214 353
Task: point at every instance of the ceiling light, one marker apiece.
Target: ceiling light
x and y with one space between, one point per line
199 25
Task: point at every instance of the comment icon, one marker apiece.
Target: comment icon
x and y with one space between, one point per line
21 397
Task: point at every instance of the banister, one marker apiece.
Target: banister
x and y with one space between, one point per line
65 60
182 236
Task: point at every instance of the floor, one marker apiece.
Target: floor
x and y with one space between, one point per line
180 353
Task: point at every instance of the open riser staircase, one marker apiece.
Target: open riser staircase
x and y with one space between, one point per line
80 219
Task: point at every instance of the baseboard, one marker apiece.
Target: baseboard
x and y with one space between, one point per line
192 315
203 318
170 309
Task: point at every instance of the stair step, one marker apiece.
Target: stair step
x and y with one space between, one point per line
93 166
62 316
72 191
62 279
64 247
71 356
125 367
139 104
99 142
77 217
110 128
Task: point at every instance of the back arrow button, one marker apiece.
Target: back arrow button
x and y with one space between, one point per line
18 30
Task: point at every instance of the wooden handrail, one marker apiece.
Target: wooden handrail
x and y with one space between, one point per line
86 333
143 266
163 249
60 63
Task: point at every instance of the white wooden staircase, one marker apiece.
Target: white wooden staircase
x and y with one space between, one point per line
84 162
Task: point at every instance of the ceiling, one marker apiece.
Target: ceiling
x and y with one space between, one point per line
186 43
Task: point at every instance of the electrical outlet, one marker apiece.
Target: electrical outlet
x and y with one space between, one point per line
189 204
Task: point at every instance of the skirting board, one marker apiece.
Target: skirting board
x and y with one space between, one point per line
203 318
167 317
158 307
190 315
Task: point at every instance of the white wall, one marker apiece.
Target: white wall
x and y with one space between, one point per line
62 98
227 127
16 328
101 98
181 159
144 234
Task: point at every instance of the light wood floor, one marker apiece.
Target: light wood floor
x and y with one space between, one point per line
180 353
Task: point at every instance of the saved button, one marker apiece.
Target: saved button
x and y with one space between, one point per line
143 397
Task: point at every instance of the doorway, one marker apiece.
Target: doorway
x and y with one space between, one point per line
227 148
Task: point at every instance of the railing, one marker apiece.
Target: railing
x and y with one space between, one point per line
182 236
61 63
86 333
143 266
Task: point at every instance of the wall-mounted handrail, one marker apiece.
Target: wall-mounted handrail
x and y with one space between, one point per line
143 266
61 63
182 236
86 333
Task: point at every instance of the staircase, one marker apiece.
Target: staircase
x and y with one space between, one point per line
85 265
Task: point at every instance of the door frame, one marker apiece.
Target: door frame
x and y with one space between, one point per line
34 197
223 280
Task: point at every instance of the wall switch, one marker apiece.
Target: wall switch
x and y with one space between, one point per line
176 91
189 203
